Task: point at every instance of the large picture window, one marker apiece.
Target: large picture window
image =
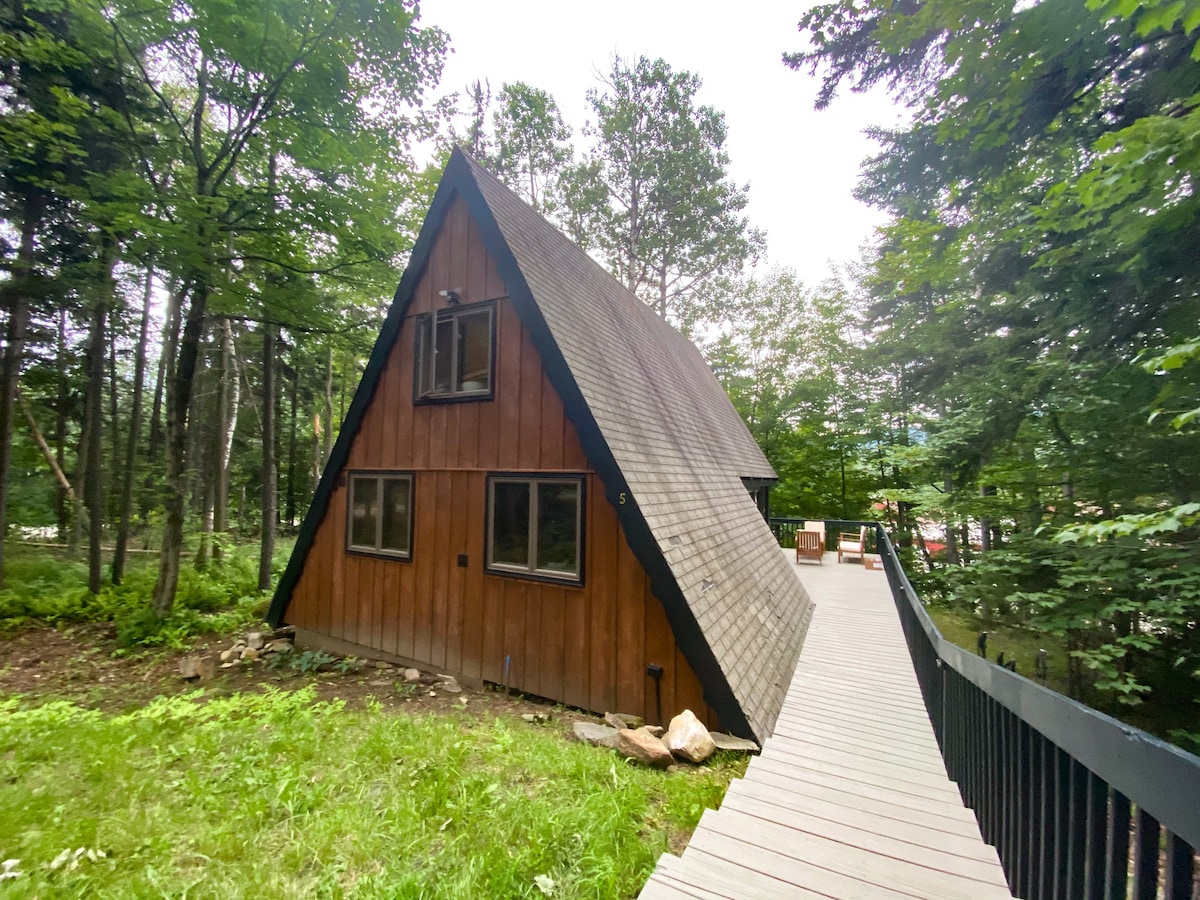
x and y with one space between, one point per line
381 514
535 526
454 353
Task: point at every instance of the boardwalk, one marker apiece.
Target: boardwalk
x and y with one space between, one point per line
849 797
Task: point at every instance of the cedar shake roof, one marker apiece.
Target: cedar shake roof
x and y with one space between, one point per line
662 435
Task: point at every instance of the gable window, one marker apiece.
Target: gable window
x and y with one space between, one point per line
380 515
454 353
535 526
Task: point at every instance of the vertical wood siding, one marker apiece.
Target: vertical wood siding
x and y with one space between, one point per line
585 646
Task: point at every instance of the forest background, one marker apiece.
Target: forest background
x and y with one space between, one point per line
205 208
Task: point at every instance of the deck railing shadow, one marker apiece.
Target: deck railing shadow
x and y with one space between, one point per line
1077 804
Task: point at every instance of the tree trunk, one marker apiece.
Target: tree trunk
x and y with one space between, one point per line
228 392
166 370
114 474
135 429
94 422
64 495
178 399
327 437
267 549
202 437
951 527
290 506
14 348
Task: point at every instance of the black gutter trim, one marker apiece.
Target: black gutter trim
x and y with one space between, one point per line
417 261
688 635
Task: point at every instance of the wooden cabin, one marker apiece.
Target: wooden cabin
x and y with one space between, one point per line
540 483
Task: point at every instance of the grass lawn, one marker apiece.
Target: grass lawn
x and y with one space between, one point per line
281 794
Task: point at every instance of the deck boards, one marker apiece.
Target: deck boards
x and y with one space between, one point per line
849 797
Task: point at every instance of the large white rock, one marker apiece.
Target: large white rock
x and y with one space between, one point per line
687 738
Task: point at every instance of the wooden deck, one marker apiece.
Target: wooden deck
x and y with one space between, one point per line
849 798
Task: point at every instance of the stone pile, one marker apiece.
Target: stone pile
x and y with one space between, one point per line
258 645
684 740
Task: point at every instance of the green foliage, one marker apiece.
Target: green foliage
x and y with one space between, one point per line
222 599
279 794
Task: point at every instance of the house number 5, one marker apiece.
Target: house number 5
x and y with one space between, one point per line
621 498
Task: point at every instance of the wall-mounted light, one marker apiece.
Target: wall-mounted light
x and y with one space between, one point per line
452 296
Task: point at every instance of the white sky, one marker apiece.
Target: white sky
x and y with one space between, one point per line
801 164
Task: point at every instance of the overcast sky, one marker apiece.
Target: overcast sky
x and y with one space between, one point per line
801 164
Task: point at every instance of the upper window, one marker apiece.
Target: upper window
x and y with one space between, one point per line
380 516
535 526
454 353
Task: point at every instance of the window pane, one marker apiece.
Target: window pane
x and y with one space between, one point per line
396 497
558 526
363 512
474 350
443 351
510 523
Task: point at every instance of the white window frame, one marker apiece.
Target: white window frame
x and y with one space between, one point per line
425 370
530 570
377 549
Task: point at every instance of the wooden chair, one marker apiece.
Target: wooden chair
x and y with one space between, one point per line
818 527
810 546
851 544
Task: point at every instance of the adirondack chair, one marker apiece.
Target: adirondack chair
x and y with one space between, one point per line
817 526
809 545
851 544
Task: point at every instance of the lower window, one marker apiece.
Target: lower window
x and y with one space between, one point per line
380 514
535 526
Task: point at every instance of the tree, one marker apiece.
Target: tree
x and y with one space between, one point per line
783 356
320 91
1041 238
532 144
654 195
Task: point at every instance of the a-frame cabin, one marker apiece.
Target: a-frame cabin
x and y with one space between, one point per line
540 483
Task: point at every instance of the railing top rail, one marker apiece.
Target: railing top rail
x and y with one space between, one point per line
1158 777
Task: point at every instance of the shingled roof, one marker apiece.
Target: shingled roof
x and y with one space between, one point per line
659 431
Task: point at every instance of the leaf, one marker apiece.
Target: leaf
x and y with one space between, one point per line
545 884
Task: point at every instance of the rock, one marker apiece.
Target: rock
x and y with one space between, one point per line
535 718
192 668
278 645
255 640
656 730
380 664
623 720
230 655
250 654
433 693
736 744
378 683
688 739
673 768
450 684
643 747
431 680
412 675
591 733
228 665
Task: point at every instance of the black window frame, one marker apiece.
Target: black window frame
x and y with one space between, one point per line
380 476
530 572
426 326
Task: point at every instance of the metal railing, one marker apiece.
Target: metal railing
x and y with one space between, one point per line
1077 804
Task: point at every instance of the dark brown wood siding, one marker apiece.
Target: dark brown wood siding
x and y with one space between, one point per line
586 646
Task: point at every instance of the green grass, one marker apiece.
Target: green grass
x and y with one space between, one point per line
281 795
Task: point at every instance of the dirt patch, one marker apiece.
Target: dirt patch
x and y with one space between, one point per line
78 664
